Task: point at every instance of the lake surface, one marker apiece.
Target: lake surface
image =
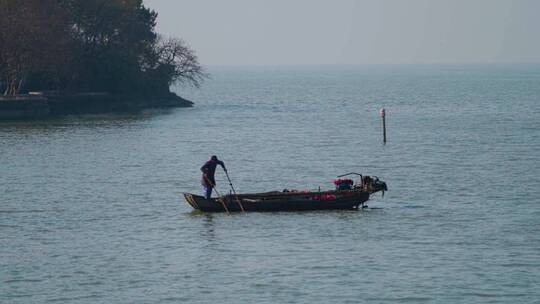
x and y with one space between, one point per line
91 208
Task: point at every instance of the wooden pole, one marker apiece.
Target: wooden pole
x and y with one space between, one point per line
384 128
383 115
234 191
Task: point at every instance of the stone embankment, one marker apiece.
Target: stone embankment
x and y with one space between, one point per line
24 106
41 104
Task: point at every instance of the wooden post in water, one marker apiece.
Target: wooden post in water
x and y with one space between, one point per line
383 115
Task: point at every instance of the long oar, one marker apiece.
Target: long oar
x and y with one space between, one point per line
220 198
234 191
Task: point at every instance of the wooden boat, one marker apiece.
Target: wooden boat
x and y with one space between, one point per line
347 195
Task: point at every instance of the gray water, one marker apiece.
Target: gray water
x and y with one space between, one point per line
91 208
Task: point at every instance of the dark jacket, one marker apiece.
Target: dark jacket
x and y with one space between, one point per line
209 168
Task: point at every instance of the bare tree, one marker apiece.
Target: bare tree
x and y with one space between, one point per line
180 62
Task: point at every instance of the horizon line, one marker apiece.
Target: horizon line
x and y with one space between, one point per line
368 64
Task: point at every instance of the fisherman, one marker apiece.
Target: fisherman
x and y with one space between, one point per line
209 169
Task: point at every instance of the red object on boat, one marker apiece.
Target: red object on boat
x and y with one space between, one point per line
324 197
345 181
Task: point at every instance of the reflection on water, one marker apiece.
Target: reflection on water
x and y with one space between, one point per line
208 228
87 120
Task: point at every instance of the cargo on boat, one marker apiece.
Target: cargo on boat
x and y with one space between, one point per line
346 195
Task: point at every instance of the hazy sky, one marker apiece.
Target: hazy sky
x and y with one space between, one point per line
354 31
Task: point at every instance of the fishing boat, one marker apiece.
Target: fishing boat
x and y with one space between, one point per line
346 195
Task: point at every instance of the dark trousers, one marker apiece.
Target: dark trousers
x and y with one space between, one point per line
206 183
208 192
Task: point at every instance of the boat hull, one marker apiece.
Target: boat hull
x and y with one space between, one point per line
333 200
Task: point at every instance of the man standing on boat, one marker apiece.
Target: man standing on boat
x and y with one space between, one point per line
209 169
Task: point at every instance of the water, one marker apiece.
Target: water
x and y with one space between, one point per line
91 208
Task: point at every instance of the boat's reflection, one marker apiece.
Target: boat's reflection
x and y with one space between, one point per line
208 232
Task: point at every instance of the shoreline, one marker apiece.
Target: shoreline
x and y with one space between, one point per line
42 105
